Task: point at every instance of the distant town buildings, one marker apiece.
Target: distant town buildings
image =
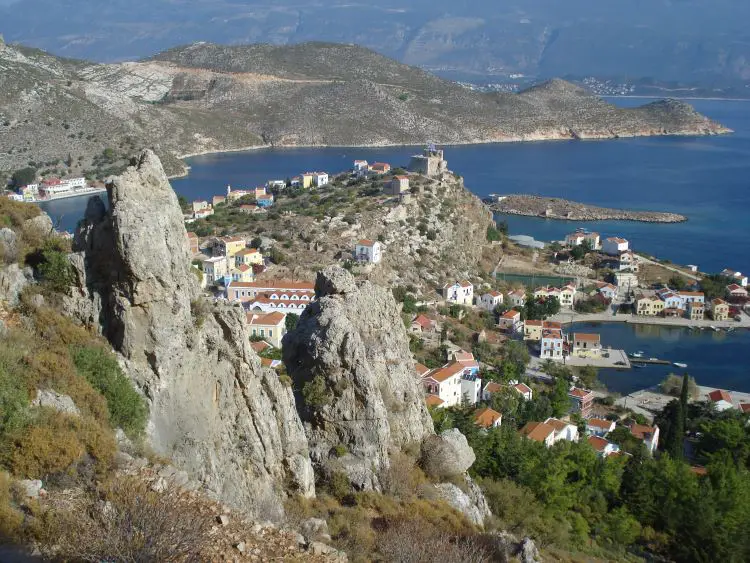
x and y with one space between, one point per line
368 251
459 293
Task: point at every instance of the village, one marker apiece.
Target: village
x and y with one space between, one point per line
484 346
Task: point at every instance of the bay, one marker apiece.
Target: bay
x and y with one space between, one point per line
717 359
706 179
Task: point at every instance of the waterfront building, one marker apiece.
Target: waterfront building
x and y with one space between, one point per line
587 345
614 246
719 310
552 344
607 290
274 290
380 167
649 306
696 311
736 291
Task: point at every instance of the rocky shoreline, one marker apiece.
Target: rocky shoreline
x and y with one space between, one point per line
562 209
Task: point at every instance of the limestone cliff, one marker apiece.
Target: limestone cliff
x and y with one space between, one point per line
214 410
353 343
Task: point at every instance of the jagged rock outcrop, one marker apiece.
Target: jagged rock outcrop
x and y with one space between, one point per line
54 400
214 411
352 347
12 281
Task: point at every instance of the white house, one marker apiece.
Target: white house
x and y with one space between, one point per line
517 298
522 389
607 290
737 276
567 295
446 383
735 290
368 251
599 426
215 269
603 447
649 435
550 431
320 179
460 293
628 261
360 166
487 418
552 344
490 300
721 400
510 321
614 246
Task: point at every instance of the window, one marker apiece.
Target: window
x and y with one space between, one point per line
270 332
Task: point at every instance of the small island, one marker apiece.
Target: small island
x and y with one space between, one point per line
556 208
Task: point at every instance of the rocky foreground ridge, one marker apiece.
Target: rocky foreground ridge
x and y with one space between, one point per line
556 208
209 98
231 424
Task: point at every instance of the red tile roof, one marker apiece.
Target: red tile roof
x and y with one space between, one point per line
599 423
486 418
522 388
580 393
720 395
599 444
265 319
642 432
446 372
421 369
581 336
745 407
537 431
423 321
433 401
493 387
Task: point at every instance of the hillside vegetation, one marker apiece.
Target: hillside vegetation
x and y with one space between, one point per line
62 116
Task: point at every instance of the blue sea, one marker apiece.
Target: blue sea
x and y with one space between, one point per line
706 179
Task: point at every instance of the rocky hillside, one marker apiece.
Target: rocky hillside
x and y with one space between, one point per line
231 425
66 116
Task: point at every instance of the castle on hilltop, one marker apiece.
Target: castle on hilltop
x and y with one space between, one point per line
429 163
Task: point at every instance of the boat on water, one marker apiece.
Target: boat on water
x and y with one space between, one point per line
679 364
636 355
639 366
653 359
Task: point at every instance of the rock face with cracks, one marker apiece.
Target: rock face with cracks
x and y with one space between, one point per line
351 347
213 409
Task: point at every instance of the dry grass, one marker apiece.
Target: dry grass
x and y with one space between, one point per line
129 522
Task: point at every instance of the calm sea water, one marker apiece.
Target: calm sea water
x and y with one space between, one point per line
717 359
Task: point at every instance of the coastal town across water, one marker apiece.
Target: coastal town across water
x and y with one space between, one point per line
238 269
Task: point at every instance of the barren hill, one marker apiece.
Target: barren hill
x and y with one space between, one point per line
61 114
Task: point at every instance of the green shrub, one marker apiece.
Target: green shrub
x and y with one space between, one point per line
338 485
340 450
56 270
316 392
126 407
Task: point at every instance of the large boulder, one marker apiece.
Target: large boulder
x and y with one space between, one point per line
8 245
446 455
350 347
214 410
54 400
13 279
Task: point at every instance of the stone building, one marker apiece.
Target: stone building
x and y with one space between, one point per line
429 163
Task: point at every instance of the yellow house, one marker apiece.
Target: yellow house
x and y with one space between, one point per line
720 310
229 246
271 327
248 257
649 306
532 330
243 273
308 180
587 345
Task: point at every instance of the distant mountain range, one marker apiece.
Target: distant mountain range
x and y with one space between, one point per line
688 42
68 116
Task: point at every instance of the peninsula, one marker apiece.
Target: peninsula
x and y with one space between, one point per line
556 208
205 98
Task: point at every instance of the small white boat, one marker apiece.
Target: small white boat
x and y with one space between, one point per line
636 355
653 359
680 365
